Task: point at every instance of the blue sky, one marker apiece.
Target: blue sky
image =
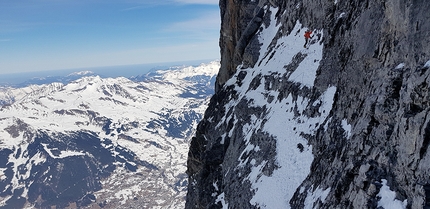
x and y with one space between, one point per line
38 35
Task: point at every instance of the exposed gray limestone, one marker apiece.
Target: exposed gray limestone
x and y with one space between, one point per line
378 128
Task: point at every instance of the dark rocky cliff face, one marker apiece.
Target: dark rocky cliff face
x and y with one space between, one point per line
342 124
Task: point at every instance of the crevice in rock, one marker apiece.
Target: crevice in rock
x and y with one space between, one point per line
426 141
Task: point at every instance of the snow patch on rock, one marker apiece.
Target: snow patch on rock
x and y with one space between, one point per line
346 127
318 194
427 64
388 198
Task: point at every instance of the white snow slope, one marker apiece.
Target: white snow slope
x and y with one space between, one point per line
275 191
144 111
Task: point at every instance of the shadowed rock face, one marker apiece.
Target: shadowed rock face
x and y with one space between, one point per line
236 16
376 54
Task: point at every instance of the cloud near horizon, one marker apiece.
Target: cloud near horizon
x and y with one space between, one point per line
205 22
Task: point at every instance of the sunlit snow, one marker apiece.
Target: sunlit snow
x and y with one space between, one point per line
400 66
275 191
318 194
388 198
79 106
347 128
427 64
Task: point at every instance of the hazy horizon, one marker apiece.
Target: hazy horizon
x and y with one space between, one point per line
127 71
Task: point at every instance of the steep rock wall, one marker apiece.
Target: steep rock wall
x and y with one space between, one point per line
236 16
340 124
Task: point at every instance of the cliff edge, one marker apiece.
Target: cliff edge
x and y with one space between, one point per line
343 122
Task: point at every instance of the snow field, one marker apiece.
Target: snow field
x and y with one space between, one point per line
80 105
275 191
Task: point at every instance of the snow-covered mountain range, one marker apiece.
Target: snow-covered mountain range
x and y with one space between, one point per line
101 142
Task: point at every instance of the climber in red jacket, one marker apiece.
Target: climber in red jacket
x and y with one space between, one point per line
307 37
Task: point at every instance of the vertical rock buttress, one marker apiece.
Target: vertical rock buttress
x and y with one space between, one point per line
377 132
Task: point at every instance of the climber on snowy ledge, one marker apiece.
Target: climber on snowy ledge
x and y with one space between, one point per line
307 35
